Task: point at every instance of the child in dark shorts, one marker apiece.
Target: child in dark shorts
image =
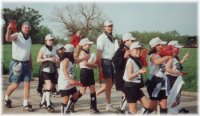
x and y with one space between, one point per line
157 81
65 79
87 74
133 80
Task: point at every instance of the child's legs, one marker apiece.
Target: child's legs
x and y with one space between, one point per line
145 102
163 103
92 88
153 104
65 99
132 108
83 90
48 84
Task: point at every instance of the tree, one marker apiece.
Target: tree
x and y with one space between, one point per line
21 15
85 17
42 32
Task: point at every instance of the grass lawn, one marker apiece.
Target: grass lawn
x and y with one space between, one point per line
190 65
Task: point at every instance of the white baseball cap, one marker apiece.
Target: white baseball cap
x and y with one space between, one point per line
136 44
85 41
156 41
108 23
128 36
175 44
49 37
69 48
59 46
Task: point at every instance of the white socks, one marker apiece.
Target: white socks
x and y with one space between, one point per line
6 97
43 97
25 102
48 95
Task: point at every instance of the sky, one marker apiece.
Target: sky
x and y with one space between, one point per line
130 16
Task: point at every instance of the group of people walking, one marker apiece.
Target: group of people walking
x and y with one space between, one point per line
120 65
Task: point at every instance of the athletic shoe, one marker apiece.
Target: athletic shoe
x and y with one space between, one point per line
72 109
183 110
8 103
94 111
28 108
54 94
121 111
50 108
43 105
110 108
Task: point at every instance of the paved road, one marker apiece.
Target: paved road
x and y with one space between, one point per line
189 101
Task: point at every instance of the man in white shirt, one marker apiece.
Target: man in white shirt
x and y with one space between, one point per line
21 64
105 52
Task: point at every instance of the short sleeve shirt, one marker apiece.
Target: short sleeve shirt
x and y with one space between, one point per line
106 46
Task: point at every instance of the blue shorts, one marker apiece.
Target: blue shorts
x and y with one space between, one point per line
24 76
107 68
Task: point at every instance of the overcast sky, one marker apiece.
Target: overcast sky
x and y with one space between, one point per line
131 16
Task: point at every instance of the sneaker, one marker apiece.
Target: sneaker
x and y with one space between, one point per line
54 94
94 111
183 110
28 108
43 105
50 109
72 109
8 103
110 108
121 111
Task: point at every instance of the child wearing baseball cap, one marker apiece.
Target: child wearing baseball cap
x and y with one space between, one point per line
133 79
174 73
66 83
87 74
156 82
47 56
119 60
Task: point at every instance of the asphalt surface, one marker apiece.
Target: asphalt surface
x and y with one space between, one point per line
189 101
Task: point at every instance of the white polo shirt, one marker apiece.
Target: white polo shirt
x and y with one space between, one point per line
106 46
21 48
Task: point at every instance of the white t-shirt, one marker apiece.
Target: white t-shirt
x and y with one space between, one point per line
175 66
81 64
156 69
135 69
106 46
63 83
21 48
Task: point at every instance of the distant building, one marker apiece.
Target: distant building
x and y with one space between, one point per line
191 42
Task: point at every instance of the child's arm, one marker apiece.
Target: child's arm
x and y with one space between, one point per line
64 68
91 65
169 67
185 57
82 59
130 71
158 61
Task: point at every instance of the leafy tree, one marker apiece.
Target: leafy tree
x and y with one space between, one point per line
42 32
145 37
23 14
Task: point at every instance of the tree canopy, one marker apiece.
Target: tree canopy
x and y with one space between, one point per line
25 14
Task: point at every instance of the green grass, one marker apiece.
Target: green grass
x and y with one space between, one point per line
190 65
